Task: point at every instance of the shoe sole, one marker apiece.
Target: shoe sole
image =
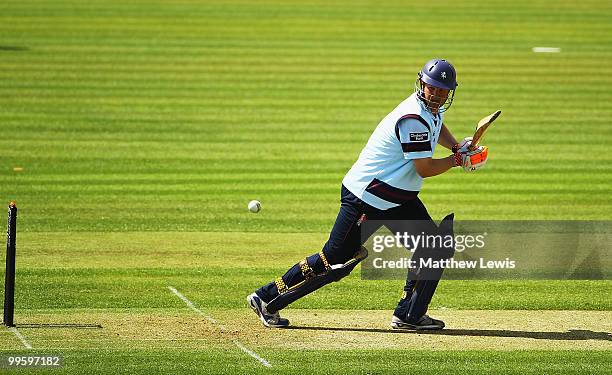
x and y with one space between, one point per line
411 327
396 323
253 306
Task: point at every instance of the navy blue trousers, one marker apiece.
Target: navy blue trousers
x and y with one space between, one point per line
345 239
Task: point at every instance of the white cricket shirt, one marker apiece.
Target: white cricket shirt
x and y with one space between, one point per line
384 175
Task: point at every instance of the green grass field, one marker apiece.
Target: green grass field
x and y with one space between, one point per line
135 133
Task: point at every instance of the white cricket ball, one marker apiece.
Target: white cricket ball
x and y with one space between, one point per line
254 206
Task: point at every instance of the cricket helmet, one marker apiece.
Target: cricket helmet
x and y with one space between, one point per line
438 73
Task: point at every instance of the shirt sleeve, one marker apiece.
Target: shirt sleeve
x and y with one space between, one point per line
414 137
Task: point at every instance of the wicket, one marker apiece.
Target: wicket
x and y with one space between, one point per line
9 280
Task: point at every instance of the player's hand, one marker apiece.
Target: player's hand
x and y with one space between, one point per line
463 146
472 160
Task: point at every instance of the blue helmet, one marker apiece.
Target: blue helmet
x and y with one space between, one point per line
438 73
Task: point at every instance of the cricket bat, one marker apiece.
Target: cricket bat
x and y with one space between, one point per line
481 128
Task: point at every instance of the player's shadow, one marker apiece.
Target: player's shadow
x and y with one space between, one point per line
59 325
572 334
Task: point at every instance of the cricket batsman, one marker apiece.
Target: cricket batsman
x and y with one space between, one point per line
384 184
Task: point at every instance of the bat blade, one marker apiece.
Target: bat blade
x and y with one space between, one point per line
482 127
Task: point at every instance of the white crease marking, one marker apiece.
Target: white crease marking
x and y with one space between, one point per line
221 327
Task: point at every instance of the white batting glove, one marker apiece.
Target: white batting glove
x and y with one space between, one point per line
472 160
462 146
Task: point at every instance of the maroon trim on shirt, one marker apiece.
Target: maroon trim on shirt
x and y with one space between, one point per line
390 193
413 146
416 117
416 146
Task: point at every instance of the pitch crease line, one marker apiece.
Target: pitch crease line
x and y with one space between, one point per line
20 337
192 306
222 328
251 353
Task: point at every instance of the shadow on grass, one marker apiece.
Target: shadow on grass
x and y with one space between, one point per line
572 334
59 325
13 48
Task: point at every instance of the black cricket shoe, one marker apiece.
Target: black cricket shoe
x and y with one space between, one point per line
424 323
268 320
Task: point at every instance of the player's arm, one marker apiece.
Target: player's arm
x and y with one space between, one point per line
450 142
417 145
428 167
446 138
